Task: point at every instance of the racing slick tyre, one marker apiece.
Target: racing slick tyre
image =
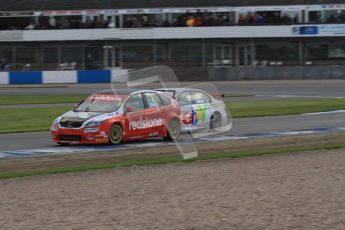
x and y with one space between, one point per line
216 121
173 130
115 134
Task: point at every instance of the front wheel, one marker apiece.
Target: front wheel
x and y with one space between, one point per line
173 130
115 134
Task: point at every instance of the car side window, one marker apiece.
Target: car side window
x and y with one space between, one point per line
153 100
166 100
198 98
136 101
185 98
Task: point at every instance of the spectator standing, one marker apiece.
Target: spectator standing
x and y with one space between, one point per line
242 20
342 16
286 19
319 18
4 64
259 19
52 22
198 21
191 21
250 18
111 23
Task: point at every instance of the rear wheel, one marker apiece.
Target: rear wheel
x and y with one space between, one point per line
173 130
115 134
216 121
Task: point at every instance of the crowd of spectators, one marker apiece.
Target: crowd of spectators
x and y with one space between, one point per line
72 23
187 19
336 17
260 18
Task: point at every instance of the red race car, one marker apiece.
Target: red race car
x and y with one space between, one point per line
108 117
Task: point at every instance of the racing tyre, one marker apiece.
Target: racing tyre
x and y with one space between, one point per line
216 121
173 130
115 134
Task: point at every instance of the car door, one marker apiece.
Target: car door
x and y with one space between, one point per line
203 108
194 108
187 111
154 114
134 110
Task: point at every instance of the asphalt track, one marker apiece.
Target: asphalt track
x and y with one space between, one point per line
38 143
301 88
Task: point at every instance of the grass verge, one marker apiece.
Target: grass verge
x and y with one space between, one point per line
28 119
279 107
51 99
154 160
39 119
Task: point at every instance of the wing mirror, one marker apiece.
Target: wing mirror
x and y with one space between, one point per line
129 109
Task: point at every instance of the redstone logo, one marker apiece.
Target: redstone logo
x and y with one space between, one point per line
144 124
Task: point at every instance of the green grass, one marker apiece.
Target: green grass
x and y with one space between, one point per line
167 159
20 100
39 119
261 108
28 119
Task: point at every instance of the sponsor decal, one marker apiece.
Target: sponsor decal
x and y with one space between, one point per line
188 118
105 97
305 30
144 124
154 134
196 117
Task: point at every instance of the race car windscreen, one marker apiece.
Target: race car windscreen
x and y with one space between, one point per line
105 103
169 93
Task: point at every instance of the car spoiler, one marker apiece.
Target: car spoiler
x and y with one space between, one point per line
217 94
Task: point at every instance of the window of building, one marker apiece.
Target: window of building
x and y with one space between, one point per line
50 55
187 53
72 54
137 53
277 51
26 55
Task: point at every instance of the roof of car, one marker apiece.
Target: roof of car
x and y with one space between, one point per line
179 90
122 91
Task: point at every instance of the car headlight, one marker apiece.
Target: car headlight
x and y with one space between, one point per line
55 125
94 123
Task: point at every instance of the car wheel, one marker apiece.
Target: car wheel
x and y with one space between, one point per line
173 130
115 134
216 121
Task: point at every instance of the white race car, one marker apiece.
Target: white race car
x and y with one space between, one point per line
200 110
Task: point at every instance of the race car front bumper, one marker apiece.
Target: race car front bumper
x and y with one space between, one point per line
80 136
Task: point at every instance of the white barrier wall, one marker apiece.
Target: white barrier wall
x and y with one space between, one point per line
4 78
119 75
63 77
59 77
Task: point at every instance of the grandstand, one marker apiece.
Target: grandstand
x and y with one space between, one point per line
25 5
219 40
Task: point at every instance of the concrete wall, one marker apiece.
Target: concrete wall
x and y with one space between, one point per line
61 77
271 73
